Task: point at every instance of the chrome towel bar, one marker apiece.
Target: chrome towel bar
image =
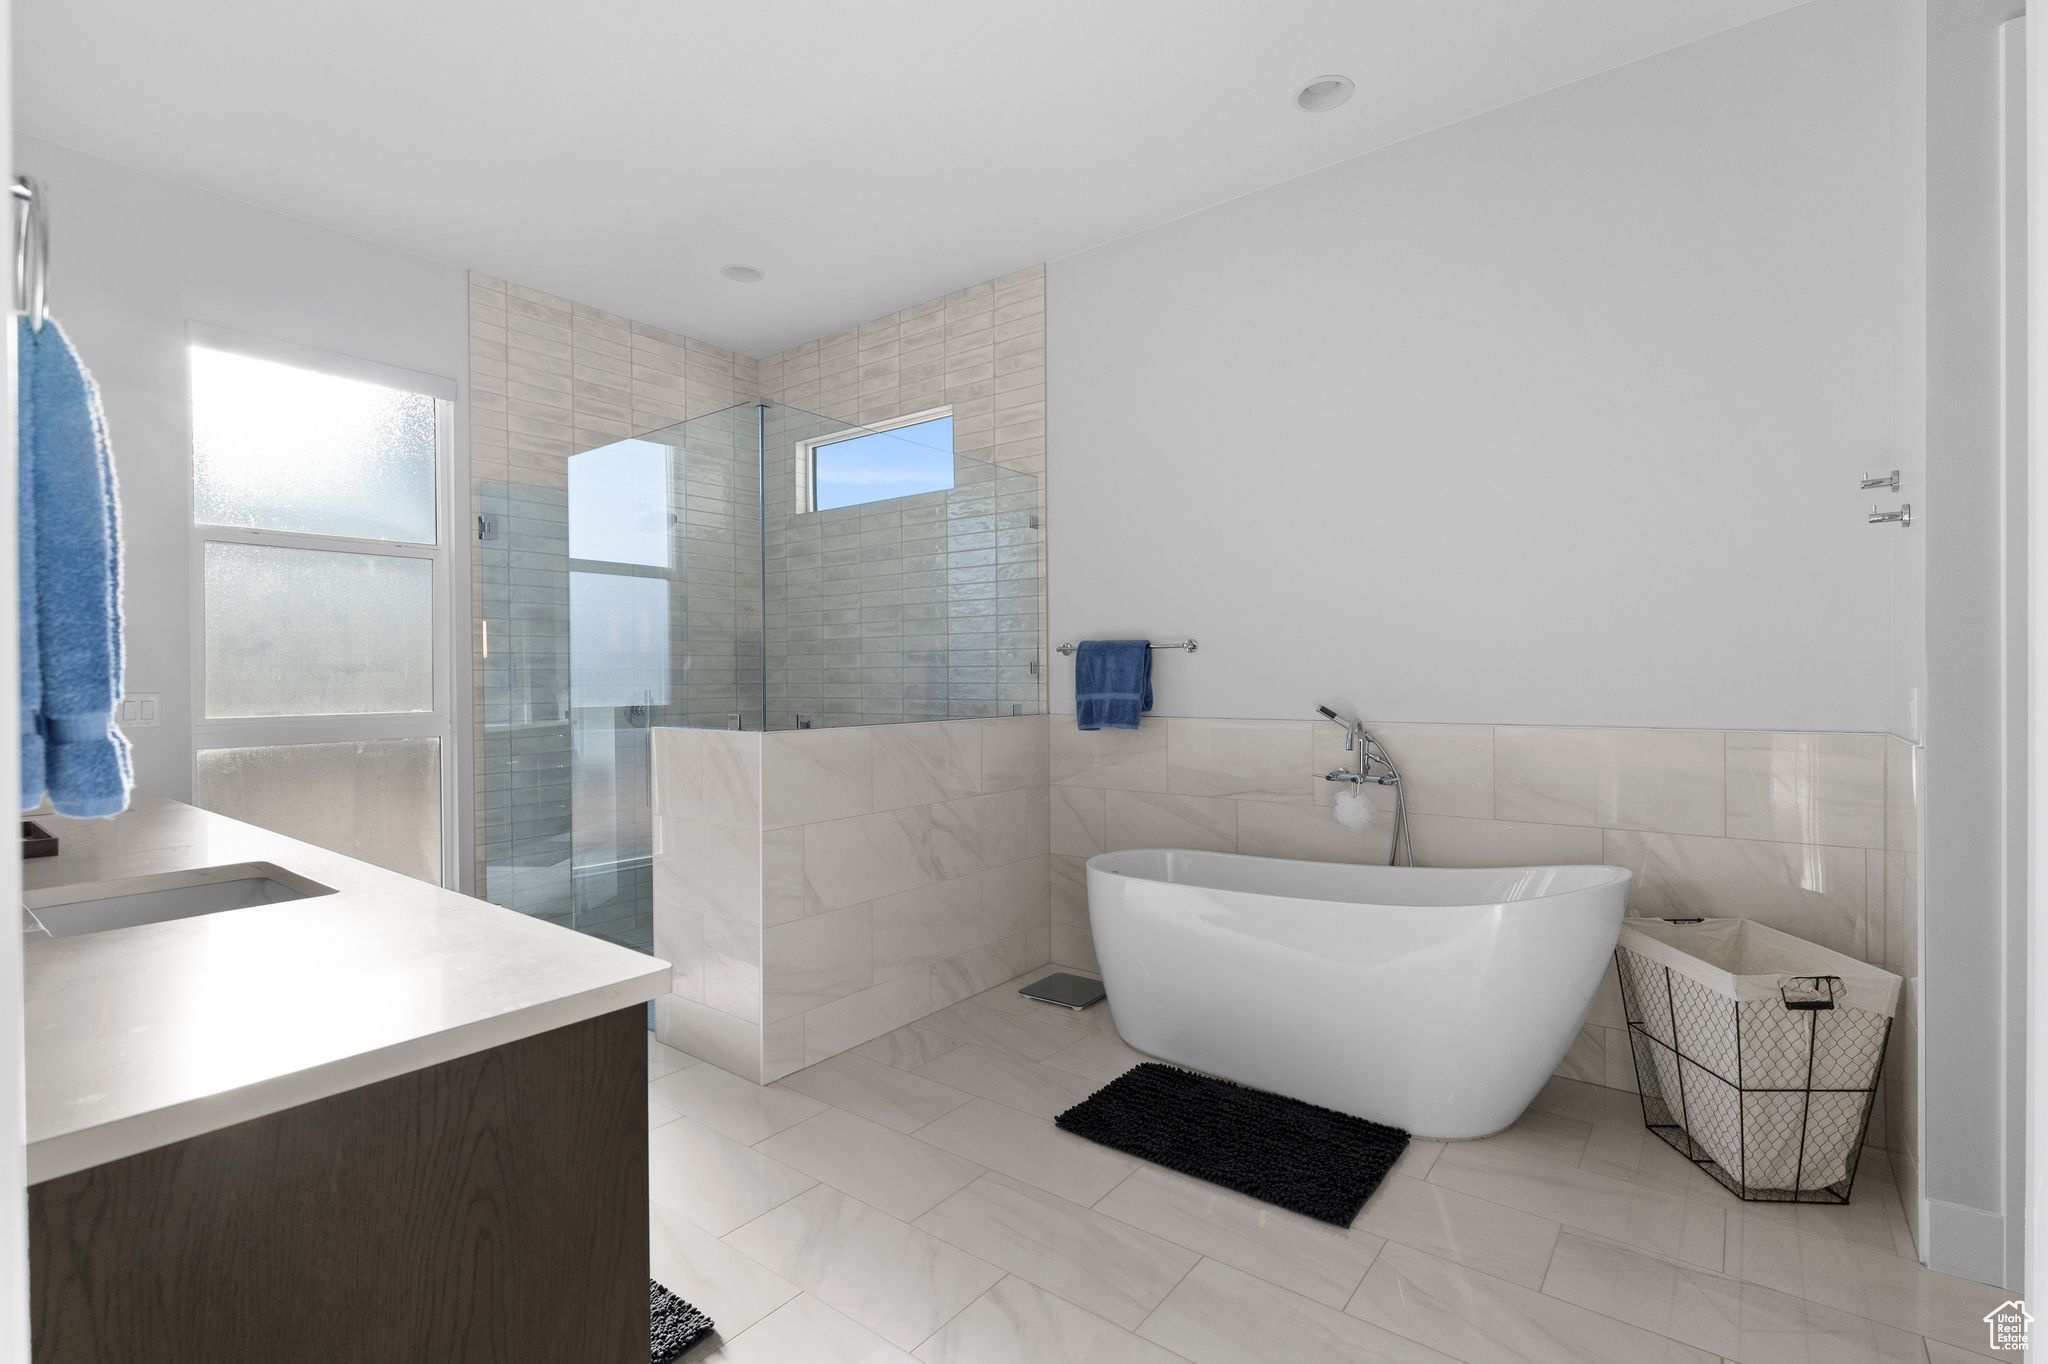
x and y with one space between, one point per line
1187 644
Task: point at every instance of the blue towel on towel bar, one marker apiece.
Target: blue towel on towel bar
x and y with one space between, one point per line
70 533
1112 683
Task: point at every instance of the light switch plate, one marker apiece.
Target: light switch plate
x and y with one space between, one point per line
140 711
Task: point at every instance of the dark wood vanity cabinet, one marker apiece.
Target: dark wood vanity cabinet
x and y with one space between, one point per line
492 1208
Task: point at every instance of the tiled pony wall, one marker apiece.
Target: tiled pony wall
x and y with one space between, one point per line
815 889
1812 833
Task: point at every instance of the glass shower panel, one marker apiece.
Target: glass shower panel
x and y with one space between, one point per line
689 577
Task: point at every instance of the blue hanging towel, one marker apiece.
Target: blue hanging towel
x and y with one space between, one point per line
70 585
1112 683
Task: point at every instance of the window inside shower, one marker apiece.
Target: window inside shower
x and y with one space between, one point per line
692 576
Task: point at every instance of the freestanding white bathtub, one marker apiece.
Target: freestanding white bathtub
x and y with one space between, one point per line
1431 999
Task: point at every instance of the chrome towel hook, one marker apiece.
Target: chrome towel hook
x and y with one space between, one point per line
31 251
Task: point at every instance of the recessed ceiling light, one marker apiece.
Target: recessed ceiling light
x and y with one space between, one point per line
1323 94
744 274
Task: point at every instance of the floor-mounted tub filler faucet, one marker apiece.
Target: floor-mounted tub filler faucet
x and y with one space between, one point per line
1354 808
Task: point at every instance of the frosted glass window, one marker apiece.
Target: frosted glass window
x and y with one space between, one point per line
618 504
277 447
316 632
618 640
875 467
375 799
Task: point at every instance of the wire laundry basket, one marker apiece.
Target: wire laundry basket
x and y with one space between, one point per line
1757 1053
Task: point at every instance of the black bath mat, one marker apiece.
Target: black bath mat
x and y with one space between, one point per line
676 1325
1294 1155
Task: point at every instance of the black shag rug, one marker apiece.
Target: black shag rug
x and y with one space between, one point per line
1294 1155
676 1325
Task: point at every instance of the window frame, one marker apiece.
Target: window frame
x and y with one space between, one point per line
216 732
807 454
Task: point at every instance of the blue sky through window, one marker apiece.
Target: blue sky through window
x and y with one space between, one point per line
884 464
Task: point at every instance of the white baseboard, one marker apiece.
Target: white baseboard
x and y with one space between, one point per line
1966 1242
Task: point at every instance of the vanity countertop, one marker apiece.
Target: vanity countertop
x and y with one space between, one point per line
139 1037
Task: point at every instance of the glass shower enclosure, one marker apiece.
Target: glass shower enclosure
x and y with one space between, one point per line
758 567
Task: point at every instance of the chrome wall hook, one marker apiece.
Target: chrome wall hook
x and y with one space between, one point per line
1890 480
1904 516
31 251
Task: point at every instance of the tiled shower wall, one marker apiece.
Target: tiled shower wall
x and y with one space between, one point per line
1810 833
550 378
914 608
979 352
816 889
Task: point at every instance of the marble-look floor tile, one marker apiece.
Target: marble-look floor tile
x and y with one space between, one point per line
740 1109
881 1093
1474 1316
1312 1258
657 1114
1220 1315
881 1167
665 1060
1101 1264
908 1047
1739 1321
899 1282
1420 1157
1030 1149
722 1283
1003 998
1102 1057
1541 1135
1655 1220
1029 1037
712 1179
1480 1235
1017 1323
805 1331
1038 1090
1860 1279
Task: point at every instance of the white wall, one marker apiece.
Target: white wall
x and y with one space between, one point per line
137 259
1554 416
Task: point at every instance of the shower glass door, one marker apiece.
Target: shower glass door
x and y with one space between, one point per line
657 582
623 598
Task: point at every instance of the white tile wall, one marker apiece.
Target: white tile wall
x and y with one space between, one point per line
824 887
979 351
1810 833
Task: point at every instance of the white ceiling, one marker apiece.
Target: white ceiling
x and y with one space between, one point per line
867 154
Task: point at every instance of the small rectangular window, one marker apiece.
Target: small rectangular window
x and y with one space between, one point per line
874 466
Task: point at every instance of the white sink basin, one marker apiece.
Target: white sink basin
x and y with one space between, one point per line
67 911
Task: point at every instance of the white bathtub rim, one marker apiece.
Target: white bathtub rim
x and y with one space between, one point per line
1106 864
